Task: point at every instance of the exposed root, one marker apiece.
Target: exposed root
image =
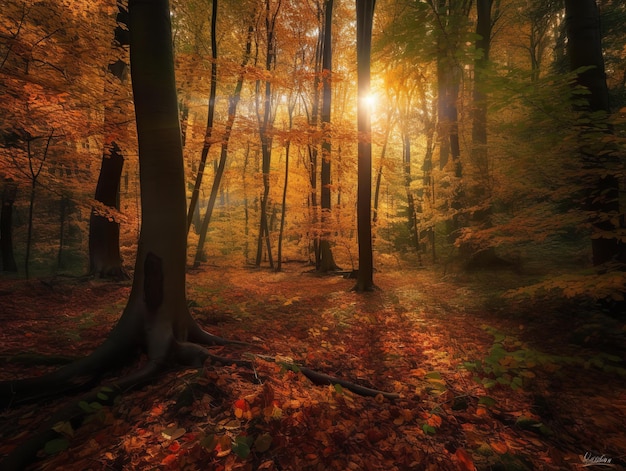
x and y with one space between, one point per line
26 452
70 378
198 335
322 378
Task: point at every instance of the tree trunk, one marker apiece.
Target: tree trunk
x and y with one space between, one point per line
232 112
265 133
412 223
6 227
379 172
584 48
206 146
104 232
364 20
64 206
313 147
326 259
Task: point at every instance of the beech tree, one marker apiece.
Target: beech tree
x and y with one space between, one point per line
104 231
364 22
326 259
156 316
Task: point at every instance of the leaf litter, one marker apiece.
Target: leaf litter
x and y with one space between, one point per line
476 392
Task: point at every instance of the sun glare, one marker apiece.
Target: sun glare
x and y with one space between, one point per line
370 101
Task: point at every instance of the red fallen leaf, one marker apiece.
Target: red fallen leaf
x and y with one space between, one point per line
174 447
465 460
190 437
169 460
241 404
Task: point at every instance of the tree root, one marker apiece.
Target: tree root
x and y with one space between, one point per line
70 378
75 413
322 379
198 335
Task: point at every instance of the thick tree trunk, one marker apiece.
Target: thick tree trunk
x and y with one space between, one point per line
584 48
6 227
364 20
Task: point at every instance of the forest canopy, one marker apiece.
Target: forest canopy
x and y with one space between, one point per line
476 135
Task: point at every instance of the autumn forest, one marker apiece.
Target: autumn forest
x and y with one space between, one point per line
312 235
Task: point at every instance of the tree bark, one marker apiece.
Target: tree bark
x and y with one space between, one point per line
6 227
364 20
232 112
195 194
584 48
326 259
105 260
266 121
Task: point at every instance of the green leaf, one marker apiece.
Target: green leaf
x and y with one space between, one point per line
433 375
488 383
85 407
209 442
487 401
263 442
338 388
241 447
429 429
102 396
64 428
516 383
56 446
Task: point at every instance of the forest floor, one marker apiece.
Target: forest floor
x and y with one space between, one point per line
484 381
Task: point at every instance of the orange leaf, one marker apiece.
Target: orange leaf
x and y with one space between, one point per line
465 460
499 447
434 420
169 460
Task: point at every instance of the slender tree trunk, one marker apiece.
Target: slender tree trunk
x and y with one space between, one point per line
34 175
64 205
208 135
480 157
313 147
6 227
232 113
327 261
279 251
379 172
265 132
412 222
364 20
584 48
